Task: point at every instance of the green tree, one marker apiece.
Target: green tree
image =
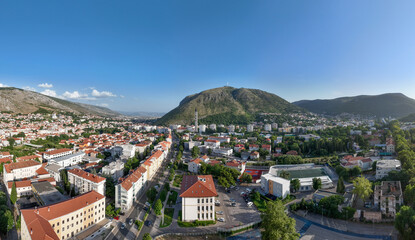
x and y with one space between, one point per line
362 187
158 206
316 183
295 184
276 223
109 187
356 171
151 194
256 196
195 152
340 186
409 195
284 174
247 178
147 236
13 195
223 182
405 222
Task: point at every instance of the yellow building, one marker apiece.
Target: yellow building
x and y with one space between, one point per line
65 219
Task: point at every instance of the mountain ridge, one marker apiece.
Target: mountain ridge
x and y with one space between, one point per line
18 100
227 104
382 105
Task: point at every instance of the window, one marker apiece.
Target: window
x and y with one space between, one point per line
211 216
198 208
57 231
198 200
202 200
63 221
211 208
211 200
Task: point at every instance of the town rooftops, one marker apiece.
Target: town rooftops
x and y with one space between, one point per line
25 158
198 186
134 176
16 165
57 151
37 220
89 176
64 158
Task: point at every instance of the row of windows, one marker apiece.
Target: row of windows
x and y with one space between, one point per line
203 215
203 208
80 229
89 210
207 200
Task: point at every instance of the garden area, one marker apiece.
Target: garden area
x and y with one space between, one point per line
177 180
168 217
172 198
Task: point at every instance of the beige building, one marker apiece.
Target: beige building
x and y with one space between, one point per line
63 220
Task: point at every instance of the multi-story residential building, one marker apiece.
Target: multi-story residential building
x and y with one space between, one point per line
250 127
212 126
153 163
223 151
220 139
277 186
54 171
128 189
387 196
212 143
85 182
383 167
57 153
267 127
114 169
237 165
65 219
194 165
198 195
68 160
390 145
20 170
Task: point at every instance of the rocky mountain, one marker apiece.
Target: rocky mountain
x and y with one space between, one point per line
384 105
227 105
23 101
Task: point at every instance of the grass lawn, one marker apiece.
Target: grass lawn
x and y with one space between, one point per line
177 180
168 217
172 198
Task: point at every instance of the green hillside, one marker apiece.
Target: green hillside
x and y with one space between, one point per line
227 105
384 105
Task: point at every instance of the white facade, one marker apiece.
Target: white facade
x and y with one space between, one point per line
250 127
86 182
56 153
114 169
212 126
274 185
383 167
223 151
68 160
17 171
202 209
267 127
127 191
194 166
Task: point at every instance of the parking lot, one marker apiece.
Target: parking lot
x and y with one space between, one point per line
240 213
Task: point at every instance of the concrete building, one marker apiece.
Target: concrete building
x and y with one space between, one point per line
387 196
277 186
194 165
54 171
68 160
46 194
237 165
267 127
390 145
20 170
128 188
198 195
212 127
85 182
63 220
250 127
114 169
223 151
383 167
56 153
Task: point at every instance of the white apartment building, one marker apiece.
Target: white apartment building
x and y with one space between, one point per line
277 186
128 189
114 169
85 182
250 127
212 126
198 195
267 127
194 165
383 167
223 151
57 153
68 160
212 143
63 220
20 170
54 171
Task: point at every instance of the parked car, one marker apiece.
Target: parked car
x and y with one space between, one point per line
131 221
250 204
147 223
242 193
123 226
219 212
221 219
233 204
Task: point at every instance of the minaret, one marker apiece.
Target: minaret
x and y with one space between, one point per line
196 124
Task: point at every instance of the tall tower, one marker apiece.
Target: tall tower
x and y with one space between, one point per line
196 123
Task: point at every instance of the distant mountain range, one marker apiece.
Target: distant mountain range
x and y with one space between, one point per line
17 100
227 105
142 114
384 105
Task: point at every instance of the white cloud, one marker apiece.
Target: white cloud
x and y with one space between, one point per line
103 94
49 92
29 88
3 85
45 85
76 95
122 96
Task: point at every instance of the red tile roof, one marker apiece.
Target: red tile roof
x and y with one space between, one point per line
17 165
25 158
57 151
89 176
198 186
42 171
134 176
37 220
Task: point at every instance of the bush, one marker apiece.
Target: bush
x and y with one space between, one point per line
172 198
139 224
163 195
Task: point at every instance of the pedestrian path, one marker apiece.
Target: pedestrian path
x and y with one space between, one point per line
308 223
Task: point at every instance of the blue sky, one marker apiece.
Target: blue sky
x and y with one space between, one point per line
148 55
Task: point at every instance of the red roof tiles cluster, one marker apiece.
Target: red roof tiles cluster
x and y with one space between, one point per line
134 176
89 176
17 165
57 151
198 186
